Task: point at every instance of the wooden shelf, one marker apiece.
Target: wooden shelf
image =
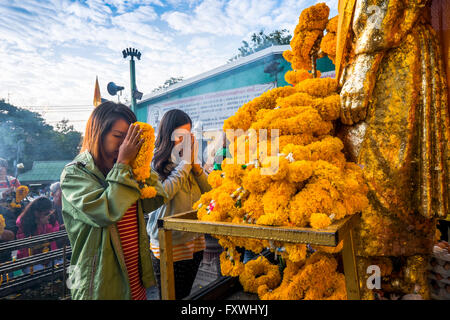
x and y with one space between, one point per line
330 236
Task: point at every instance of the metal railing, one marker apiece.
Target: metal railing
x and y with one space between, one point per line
51 271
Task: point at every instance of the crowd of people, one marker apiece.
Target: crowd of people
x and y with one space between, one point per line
98 202
33 216
104 213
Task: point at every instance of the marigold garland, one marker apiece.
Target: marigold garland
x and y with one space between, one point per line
309 30
305 182
15 205
2 224
230 264
245 114
318 87
141 164
329 41
295 252
215 178
21 193
320 220
316 279
259 272
295 76
328 249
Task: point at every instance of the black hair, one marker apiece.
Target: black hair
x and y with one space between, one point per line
28 218
99 125
164 144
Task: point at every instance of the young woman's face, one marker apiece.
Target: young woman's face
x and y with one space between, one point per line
179 131
42 217
114 139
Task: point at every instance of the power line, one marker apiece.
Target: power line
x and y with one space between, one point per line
56 121
71 111
74 105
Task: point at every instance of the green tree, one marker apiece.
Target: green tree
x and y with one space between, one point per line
68 139
260 41
24 136
168 83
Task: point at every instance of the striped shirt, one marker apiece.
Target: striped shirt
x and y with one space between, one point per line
183 251
128 231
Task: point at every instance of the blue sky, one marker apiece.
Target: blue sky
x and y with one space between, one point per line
51 51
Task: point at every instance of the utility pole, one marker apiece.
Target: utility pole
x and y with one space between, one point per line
135 94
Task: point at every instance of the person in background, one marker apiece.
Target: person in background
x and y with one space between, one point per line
37 218
55 193
7 183
9 232
221 153
182 177
216 152
103 212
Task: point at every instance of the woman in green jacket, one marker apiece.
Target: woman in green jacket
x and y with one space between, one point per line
103 213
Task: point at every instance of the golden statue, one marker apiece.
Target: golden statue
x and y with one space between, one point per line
396 127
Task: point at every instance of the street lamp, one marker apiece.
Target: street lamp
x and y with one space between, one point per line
135 94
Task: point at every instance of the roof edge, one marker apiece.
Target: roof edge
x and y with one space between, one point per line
216 71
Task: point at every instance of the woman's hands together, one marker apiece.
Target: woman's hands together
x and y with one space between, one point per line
196 167
130 146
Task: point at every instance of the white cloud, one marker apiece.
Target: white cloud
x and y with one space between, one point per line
51 51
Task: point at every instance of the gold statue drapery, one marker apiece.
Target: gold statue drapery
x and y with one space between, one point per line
394 102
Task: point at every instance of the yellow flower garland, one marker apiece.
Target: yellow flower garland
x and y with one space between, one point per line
312 22
312 186
246 114
259 272
295 252
230 264
21 193
215 178
141 164
318 87
329 41
317 279
2 224
295 76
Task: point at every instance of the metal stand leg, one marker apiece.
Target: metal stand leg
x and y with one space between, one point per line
64 273
166 261
350 268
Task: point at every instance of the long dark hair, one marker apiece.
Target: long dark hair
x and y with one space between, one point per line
99 124
28 218
171 120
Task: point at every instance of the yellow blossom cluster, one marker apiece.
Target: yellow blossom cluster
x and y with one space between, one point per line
309 30
328 43
318 87
295 76
245 115
259 272
13 205
287 169
21 193
230 263
314 279
141 164
2 224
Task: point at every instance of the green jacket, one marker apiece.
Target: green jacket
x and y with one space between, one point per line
91 206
